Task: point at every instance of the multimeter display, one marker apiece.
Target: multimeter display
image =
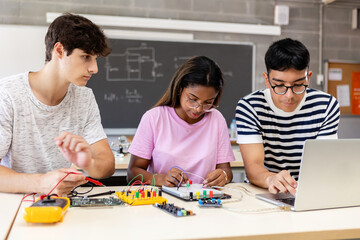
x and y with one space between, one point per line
59 202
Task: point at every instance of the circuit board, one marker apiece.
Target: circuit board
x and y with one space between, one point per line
141 197
95 202
174 210
210 203
193 192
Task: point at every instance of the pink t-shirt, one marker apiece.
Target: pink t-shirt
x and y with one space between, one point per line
167 140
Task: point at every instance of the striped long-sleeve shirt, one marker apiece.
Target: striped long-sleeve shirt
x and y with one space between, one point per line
284 133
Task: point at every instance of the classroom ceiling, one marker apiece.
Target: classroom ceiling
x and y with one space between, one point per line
354 3
328 1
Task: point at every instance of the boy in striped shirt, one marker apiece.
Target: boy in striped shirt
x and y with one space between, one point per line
273 124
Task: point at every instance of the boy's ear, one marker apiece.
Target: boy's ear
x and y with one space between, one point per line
266 79
59 50
310 73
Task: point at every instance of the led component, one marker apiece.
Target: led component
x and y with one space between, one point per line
146 197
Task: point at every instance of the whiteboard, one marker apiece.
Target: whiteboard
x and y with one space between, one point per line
22 48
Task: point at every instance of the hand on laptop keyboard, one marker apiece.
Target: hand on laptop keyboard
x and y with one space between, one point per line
281 182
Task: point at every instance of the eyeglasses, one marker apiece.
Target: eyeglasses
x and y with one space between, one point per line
296 89
208 107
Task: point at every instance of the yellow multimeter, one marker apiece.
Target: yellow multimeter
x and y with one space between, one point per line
47 210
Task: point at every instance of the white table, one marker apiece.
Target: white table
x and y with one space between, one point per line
148 222
9 204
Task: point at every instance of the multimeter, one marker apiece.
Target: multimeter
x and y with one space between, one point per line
47 210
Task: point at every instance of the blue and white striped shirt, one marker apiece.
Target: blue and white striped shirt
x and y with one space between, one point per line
284 133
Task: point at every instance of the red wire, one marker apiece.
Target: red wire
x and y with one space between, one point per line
94 181
87 178
60 181
33 194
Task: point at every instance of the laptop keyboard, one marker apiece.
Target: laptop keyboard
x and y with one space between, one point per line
290 201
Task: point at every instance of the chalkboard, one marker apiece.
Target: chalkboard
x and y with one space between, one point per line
137 73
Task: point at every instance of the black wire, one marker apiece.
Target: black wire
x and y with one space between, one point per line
74 193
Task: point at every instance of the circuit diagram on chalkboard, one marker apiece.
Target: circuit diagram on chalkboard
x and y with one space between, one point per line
132 79
135 64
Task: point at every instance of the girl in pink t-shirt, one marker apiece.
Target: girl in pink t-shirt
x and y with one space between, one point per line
184 137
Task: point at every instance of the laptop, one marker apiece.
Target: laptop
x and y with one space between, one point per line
329 177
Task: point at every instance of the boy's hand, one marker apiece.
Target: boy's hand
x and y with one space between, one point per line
75 149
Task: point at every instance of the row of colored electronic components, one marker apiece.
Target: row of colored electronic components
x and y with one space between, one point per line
204 195
141 197
210 203
144 194
174 210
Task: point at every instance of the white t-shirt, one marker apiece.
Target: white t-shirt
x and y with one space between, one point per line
28 127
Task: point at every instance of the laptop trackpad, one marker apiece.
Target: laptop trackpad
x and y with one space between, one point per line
280 199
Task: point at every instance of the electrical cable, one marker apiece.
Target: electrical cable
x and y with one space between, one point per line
75 193
33 194
173 177
153 180
251 194
196 175
142 178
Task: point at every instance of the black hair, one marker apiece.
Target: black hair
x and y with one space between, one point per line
75 31
199 70
285 54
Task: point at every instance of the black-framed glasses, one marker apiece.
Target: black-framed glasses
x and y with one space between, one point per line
282 89
207 107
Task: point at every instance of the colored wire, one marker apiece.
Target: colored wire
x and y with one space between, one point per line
33 194
196 175
87 178
173 177
60 182
182 177
153 180
134 183
260 210
142 178
74 193
249 193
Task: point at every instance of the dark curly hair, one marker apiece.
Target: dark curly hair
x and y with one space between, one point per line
74 31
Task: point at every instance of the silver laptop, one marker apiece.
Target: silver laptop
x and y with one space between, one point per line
329 177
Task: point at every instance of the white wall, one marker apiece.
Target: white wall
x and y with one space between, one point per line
22 48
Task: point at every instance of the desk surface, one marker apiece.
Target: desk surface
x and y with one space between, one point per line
9 204
242 219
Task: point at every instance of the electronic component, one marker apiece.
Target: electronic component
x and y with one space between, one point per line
193 192
47 210
141 197
210 203
94 181
174 210
101 194
95 202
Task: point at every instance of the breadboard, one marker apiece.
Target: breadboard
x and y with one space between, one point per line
145 197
